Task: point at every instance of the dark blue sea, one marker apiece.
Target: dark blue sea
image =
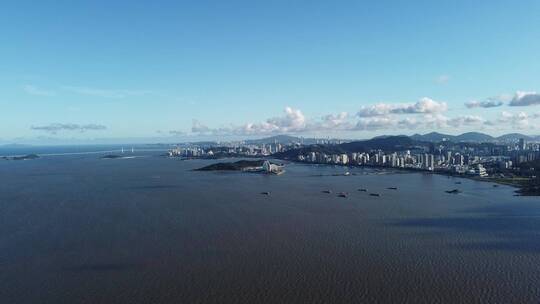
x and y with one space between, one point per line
76 228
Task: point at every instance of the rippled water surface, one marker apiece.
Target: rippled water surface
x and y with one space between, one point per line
79 229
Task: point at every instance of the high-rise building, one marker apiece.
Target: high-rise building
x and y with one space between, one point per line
344 159
425 161
431 163
522 144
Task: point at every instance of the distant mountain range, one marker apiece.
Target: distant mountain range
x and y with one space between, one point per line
387 143
429 137
282 139
425 142
472 137
286 139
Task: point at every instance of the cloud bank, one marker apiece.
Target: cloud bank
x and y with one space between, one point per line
425 114
293 121
519 99
54 128
489 103
423 106
519 120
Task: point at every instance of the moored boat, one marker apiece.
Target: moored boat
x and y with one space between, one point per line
455 191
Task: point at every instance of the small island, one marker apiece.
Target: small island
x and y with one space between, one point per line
236 166
111 156
263 166
24 157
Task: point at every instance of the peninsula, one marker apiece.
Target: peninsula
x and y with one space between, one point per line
263 166
235 166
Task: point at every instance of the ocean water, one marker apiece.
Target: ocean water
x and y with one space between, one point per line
79 229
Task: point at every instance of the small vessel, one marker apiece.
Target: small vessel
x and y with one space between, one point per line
362 190
458 183
392 188
495 186
265 193
327 191
343 194
347 173
374 194
455 191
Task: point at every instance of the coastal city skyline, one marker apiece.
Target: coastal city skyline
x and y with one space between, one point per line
511 159
276 151
209 71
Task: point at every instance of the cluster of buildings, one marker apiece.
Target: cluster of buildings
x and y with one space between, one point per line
476 160
228 149
191 152
450 161
525 152
460 158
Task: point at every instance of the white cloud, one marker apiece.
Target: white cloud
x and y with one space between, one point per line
57 127
409 123
376 123
176 133
442 79
33 90
333 122
293 121
105 93
522 99
434 121
467 120
386 123
488 103
519 120
423 106
379 109
198 127
427 121
380 117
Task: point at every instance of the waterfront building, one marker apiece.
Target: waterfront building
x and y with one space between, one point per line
522 144
344 159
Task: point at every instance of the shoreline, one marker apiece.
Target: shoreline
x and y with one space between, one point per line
520 185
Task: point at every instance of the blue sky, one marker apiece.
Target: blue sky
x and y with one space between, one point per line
230 69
